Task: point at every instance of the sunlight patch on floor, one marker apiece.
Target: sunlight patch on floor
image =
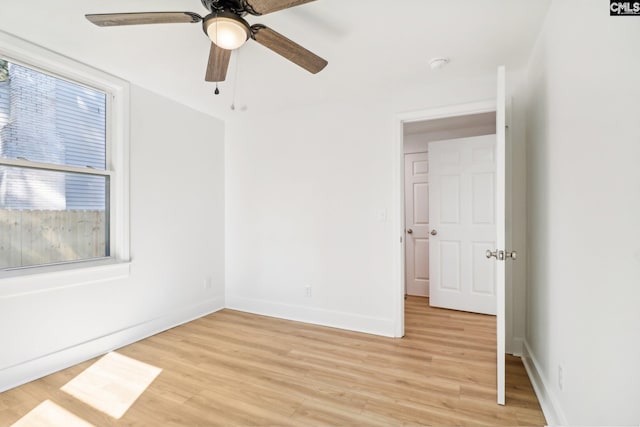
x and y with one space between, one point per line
48 414
112 384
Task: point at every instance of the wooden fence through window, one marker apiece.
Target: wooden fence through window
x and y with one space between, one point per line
34 237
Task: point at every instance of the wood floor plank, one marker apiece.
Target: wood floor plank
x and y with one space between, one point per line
238 369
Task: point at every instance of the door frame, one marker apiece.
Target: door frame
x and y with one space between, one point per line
398 197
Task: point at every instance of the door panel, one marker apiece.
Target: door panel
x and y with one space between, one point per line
421 203
483 155
483 272
449 265
421 253
420 164
449 199
417 220
483 203
462 198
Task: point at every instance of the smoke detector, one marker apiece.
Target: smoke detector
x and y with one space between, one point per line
438 63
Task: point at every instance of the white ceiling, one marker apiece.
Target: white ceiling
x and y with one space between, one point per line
371 46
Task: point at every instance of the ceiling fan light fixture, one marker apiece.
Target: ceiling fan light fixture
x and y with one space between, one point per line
226 30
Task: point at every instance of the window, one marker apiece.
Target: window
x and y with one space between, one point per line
61 169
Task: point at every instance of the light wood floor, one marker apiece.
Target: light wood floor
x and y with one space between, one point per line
232 368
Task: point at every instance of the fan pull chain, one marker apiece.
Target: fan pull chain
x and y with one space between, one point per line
235 81
217 91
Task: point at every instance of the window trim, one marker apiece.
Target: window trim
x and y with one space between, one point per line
117 91
29 164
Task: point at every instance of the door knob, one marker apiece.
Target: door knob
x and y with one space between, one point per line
410 231
501 255
434 232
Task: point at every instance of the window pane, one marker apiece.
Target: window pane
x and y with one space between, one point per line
47 119
48 217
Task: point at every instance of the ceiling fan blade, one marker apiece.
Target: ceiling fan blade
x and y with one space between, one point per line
262 7
218 64
288 49
116 19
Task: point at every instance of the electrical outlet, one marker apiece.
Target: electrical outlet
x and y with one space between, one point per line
208 283
561 377
307 291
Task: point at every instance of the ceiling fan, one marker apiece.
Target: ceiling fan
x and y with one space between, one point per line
228 30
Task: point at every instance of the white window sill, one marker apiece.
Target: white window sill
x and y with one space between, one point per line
24 281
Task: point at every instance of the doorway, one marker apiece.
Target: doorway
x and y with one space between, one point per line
449 137
501 253
420 118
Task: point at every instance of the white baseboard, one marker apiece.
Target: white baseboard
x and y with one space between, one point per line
316 316
22 373
548 401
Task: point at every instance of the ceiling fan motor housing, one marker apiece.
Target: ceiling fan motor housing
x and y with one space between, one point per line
238 7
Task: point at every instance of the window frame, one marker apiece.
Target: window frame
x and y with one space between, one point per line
117 91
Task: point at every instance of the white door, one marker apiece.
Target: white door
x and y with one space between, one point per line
462 177
416 193
499 252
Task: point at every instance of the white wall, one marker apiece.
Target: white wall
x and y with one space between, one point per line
177 240
583 140
307 190
416 143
